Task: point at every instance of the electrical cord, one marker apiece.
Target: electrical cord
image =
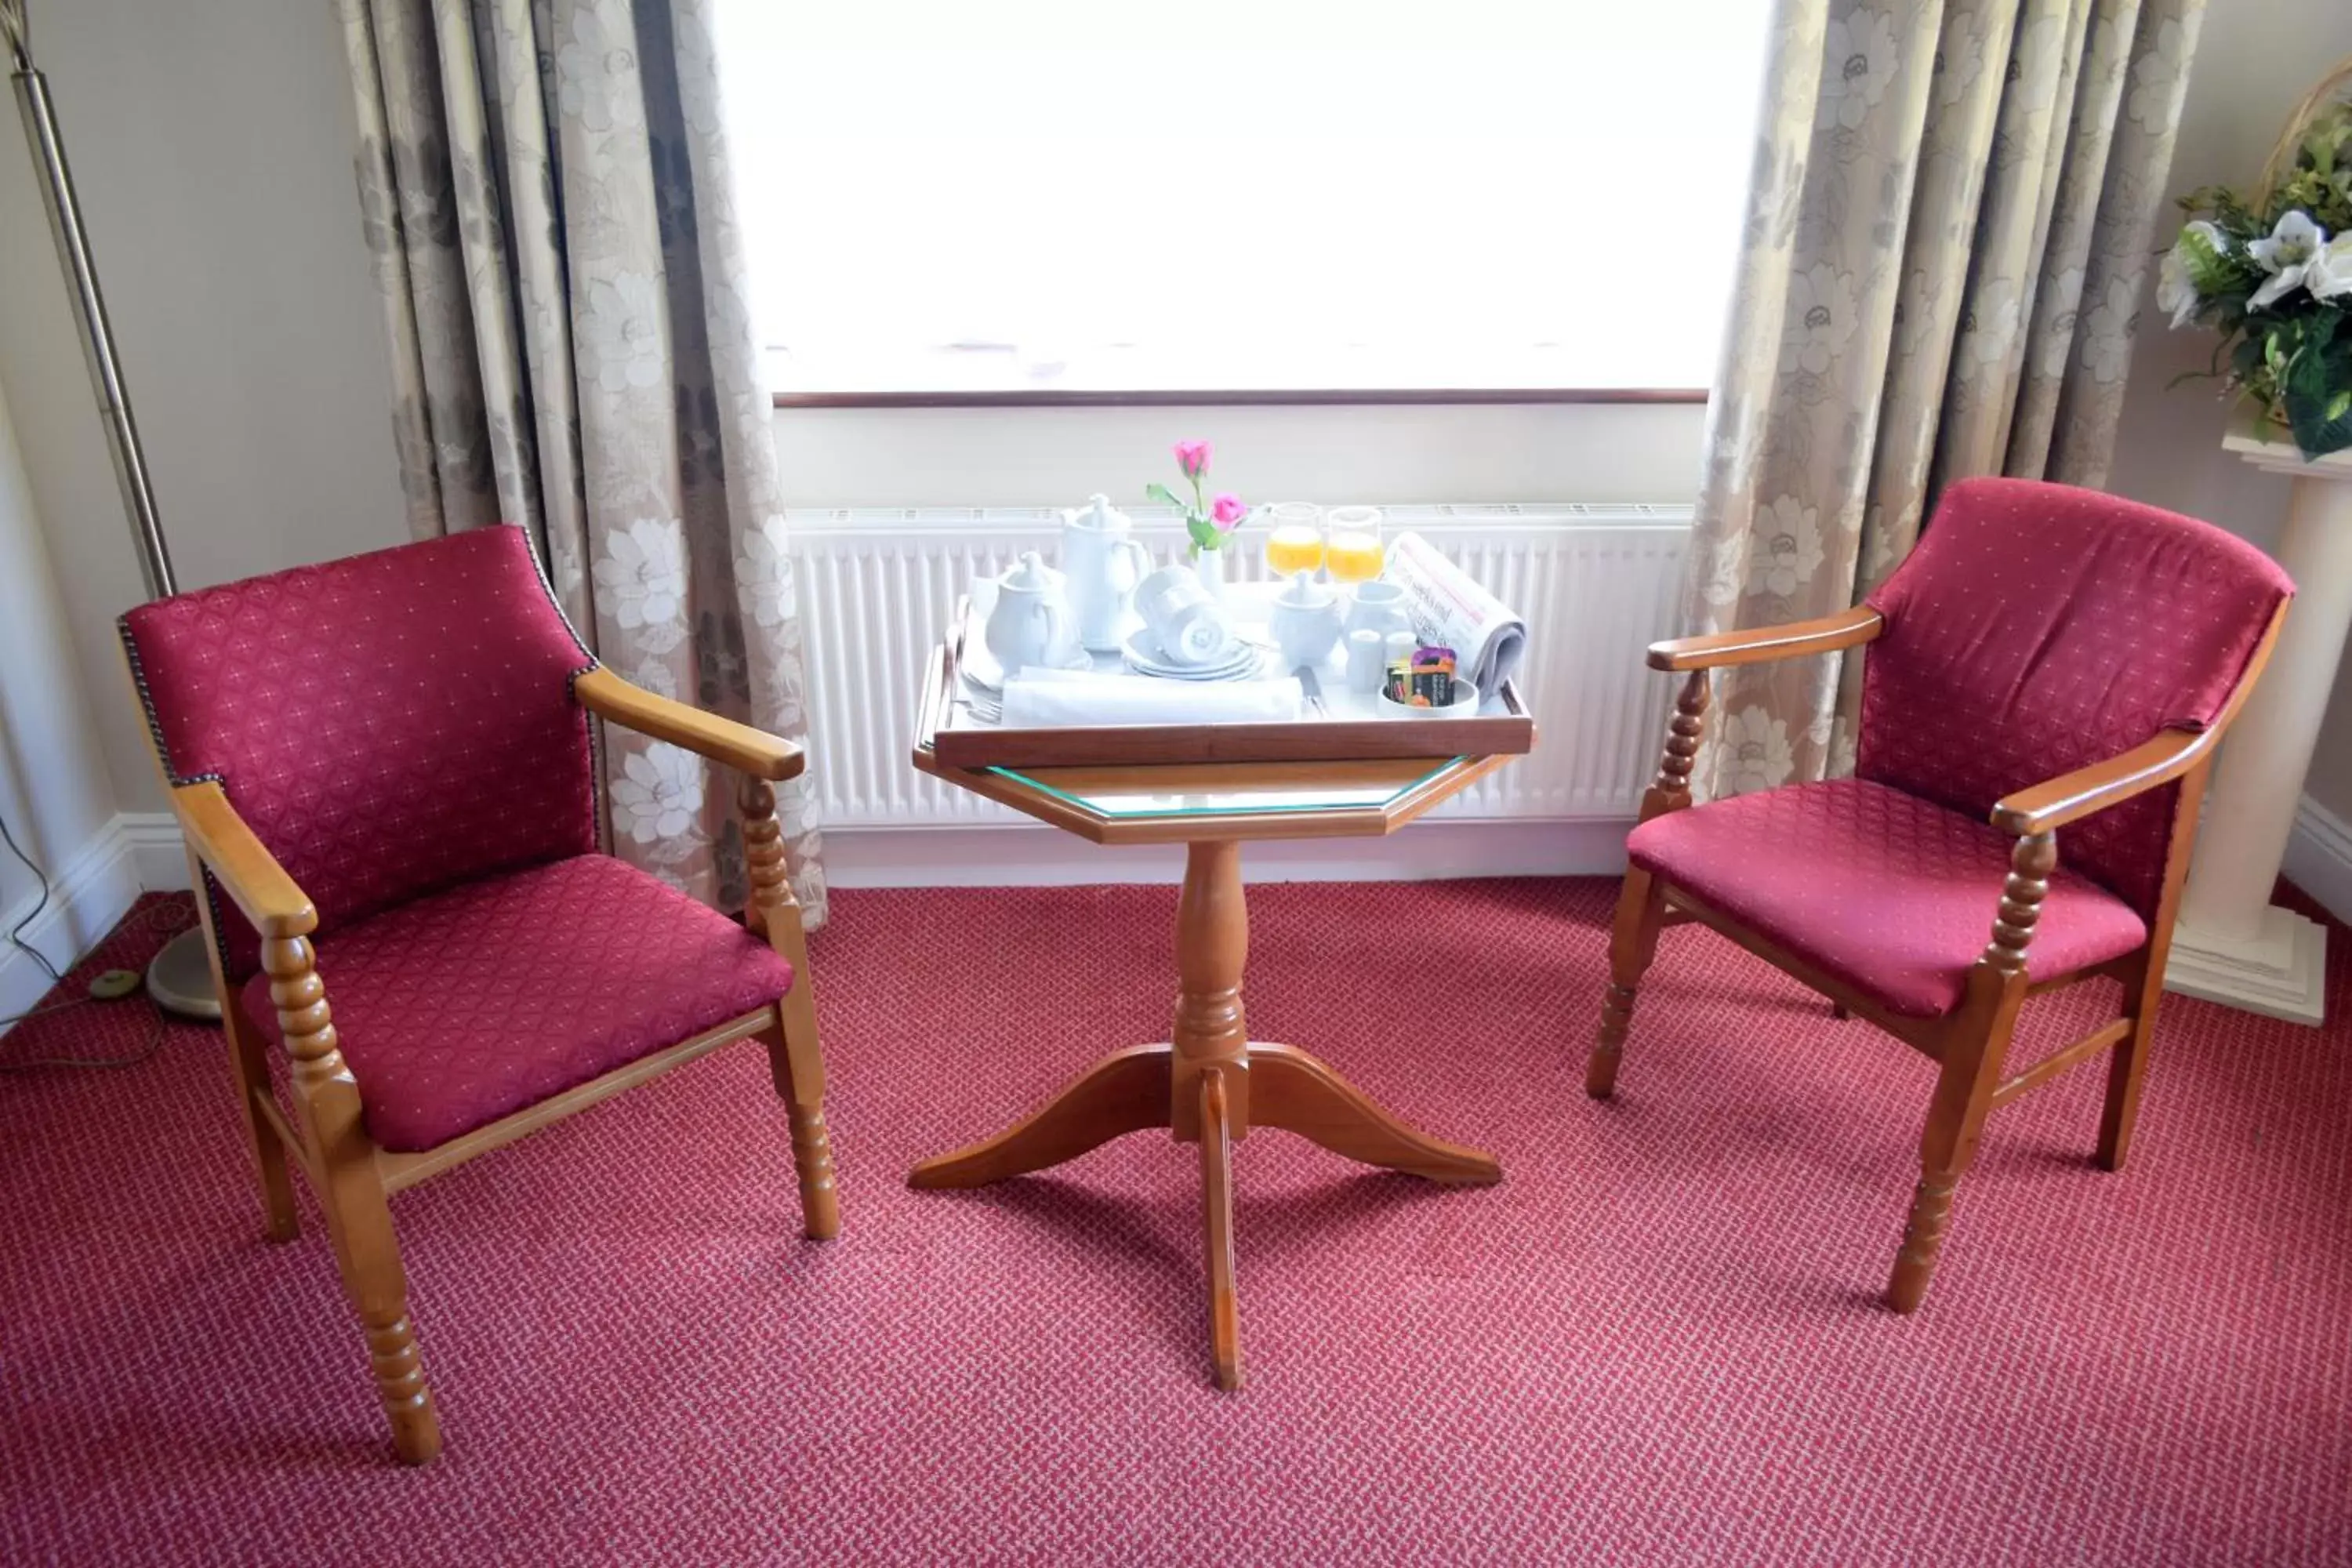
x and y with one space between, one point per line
167 918
16 931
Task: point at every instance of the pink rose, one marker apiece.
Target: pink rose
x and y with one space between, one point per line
1227 511
1192 456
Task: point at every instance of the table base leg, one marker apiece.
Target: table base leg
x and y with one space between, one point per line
1288 1089
1120 1094
1217 1214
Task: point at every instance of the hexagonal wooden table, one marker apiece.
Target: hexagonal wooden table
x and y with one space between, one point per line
1211 1084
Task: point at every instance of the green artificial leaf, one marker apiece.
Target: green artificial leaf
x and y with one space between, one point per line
1204 531
2315 387
1160 493
2211 271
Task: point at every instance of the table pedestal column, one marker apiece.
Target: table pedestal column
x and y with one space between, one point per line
2231 944
1210 1085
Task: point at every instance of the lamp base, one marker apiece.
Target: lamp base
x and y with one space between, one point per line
181 978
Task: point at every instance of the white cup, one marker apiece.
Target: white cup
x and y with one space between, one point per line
1191 627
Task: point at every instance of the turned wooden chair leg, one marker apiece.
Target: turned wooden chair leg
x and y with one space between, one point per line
1633 943
1955 1119
368 1255
359 1219
1971 1055
794 1059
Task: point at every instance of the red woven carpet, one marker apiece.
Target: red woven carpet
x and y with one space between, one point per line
1657 1339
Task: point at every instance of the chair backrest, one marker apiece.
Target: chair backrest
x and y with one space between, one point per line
388 725
2040 627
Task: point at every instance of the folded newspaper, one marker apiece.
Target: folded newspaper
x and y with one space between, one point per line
1450 609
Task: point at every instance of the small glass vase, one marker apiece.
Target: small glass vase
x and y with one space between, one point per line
1209 565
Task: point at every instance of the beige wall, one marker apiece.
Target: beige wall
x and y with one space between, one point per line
53 792
211 144
2255 58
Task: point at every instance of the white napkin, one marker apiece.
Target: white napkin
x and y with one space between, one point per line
1052 699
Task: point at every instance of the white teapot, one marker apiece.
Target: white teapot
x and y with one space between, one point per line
1104 563
1031 623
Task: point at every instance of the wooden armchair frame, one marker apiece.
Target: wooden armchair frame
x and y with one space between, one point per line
327 1136
1970 1044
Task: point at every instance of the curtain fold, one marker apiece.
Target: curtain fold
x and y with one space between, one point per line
1946 246
546 195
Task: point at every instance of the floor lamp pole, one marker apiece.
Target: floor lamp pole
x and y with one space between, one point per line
180 978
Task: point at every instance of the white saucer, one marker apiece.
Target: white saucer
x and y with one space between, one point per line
1145 657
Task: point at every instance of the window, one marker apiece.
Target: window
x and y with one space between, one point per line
1169 195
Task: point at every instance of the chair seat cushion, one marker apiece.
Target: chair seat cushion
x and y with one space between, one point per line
456 1009
1890 893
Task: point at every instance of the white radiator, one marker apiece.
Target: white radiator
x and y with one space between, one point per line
1595 584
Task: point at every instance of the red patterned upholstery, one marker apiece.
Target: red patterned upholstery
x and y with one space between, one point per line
2037 629
1890 893
464 1007
389 725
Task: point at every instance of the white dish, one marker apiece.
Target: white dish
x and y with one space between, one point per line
1144 655
1466 707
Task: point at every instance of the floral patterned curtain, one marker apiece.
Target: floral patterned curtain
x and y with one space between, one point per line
1948 235
545 189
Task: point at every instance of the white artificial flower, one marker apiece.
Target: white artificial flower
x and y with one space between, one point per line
621 340
2328 274
660 791
2286 254
642 573
2107 333
1785 550
1857 64
1752 753
2174 290
1821 319
763 575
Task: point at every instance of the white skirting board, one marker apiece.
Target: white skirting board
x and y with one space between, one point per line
87 894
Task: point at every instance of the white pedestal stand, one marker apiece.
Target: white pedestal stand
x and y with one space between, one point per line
2232 945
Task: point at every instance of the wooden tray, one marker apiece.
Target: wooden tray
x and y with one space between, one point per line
1509 733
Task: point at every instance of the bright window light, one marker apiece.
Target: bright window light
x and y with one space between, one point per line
1174 195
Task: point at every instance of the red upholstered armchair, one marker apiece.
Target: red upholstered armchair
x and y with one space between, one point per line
385 771
2047 658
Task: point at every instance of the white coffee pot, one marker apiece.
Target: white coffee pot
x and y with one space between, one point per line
1104 562
1031 624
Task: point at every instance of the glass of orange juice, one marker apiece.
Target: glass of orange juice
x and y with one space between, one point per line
1351 543
1293 541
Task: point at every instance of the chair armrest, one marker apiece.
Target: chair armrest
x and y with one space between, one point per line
241 863
2051 804
739 746
1761 645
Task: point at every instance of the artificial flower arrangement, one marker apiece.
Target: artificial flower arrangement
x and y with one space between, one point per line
2273 275
1210 520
